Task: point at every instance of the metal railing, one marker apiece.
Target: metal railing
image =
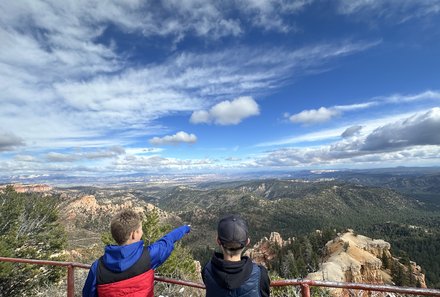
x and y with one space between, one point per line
304 284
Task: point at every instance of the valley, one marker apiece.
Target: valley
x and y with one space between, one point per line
291 207
310 211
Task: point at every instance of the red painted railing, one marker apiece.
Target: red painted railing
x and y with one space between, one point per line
303 283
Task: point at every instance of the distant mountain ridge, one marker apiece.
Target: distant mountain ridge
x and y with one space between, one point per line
289 207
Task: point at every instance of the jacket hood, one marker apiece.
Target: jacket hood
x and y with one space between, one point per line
229 274
119 258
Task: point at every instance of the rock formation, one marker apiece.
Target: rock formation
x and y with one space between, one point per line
356 258
89 205
348 258
265 250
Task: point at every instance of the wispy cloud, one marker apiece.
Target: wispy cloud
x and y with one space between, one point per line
268 14
74 94
135 98
179 137
325 114
395 11
227 112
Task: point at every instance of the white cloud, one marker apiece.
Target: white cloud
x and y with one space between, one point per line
227 112
313 116
200 117
179 137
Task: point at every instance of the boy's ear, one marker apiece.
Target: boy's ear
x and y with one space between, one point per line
218 242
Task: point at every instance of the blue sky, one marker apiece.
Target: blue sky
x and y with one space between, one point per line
97 88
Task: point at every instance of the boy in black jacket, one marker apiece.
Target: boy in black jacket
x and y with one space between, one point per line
230 274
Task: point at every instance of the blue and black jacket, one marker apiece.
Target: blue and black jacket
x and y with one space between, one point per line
238 279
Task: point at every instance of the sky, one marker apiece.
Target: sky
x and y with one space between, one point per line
110 87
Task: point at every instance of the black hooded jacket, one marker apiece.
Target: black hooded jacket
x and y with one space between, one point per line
232 275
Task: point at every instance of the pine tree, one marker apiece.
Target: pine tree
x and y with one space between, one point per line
29 228
385 260
398 274
411 278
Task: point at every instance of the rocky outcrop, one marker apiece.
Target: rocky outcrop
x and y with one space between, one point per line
356 258
89 205
265 250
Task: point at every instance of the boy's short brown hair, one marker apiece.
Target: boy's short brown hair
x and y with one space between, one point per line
125 222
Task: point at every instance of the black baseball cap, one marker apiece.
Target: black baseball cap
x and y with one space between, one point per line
232 229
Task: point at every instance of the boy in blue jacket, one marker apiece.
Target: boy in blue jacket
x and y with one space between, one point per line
128 268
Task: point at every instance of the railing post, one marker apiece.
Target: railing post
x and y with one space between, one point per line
70 281
305 290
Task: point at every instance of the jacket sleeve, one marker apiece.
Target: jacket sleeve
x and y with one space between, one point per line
89 289
161 249
264 282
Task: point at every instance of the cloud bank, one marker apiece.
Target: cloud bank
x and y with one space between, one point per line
413 137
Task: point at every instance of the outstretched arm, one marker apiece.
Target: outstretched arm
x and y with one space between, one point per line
161 249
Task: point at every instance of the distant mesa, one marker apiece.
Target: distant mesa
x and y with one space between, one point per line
21 188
